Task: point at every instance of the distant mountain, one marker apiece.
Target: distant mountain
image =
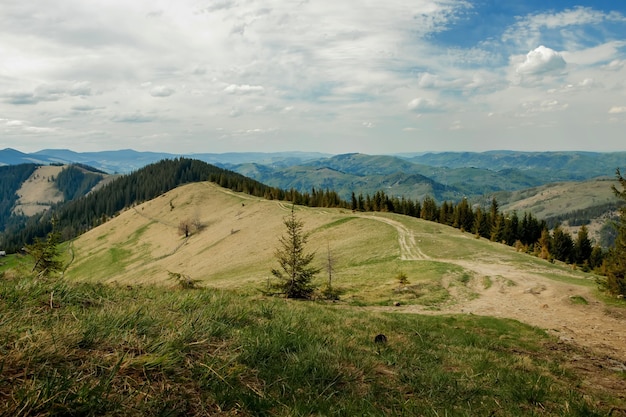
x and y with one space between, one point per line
445 176
11 156
396 176
128 160
545 166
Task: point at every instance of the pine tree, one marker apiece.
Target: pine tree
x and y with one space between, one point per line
295 273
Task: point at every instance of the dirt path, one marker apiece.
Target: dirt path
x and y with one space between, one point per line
409 250
525 295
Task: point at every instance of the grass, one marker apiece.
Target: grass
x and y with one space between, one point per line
578 299
94 349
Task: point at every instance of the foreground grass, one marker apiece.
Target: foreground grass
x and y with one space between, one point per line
93 349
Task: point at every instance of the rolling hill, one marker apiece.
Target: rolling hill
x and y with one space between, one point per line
448 271
118 336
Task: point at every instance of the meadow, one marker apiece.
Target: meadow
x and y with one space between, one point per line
476 328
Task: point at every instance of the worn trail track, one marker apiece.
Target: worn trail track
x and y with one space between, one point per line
529 297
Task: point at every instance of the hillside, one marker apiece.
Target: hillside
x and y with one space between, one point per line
570 203
118 336
39 192
29 190
448 271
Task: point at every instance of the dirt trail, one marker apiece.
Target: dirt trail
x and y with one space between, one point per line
409 250
525 295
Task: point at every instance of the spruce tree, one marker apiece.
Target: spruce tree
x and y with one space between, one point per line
45 253
295 273
582 247
616 259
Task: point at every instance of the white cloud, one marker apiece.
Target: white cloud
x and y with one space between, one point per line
36 129
541 60
424 105
529 30
617 110
309 69
132 118
603 53
162 91
243 89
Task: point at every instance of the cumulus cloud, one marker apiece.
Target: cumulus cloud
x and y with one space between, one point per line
162 91
424 105
541 60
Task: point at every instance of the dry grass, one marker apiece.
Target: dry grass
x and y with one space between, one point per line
39 191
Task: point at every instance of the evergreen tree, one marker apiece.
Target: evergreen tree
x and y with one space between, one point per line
429 209
497 228
46 254
295 273
597 257
616 260
582 247
562 244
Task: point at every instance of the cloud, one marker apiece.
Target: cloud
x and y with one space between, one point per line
314 69
424 105
530 29
132 118
603 53
162 91
243 89
540 61
617 110
84 108
36 129
531 108
49 92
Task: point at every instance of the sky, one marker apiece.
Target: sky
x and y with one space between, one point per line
377 77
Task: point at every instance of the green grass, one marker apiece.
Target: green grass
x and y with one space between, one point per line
578 299
94 349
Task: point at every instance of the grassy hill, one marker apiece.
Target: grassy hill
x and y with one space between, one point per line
569 203
458 334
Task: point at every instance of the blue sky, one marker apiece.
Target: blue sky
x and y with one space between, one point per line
313 75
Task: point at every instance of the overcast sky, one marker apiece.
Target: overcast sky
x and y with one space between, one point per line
334 76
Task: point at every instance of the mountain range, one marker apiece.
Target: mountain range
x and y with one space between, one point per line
444 176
